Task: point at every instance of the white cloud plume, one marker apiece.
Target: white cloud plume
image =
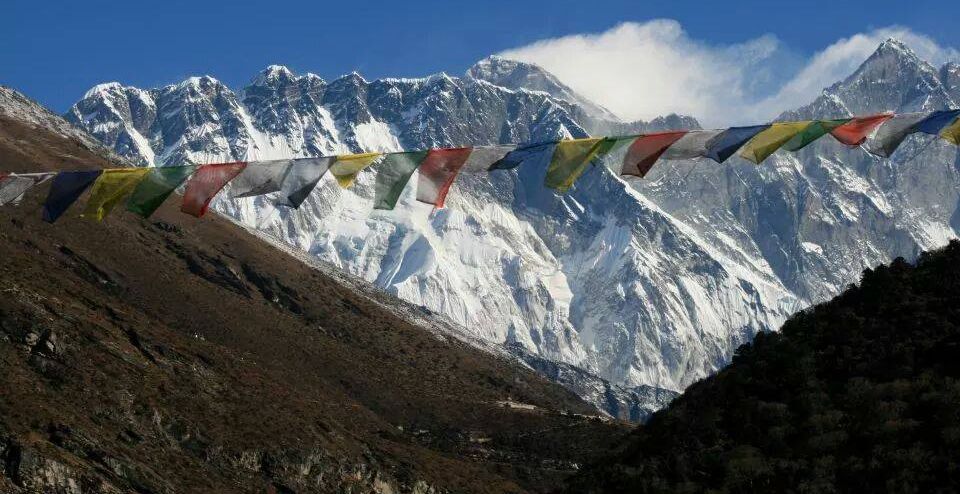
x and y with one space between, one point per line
642 70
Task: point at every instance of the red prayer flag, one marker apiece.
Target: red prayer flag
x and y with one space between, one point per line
205 183
646 150
437 173
855 132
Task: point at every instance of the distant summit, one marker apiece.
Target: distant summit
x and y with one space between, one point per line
273 75
512 74
893 78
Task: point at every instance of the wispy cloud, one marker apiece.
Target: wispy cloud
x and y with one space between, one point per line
642 70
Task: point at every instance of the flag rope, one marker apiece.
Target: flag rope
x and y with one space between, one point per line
289 182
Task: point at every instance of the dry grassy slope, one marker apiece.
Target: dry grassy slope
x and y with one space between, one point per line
184 355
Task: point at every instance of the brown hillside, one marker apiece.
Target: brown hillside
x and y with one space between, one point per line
184 355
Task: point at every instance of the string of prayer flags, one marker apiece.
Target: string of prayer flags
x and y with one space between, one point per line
346 167
65 189
111 187
437 173
729 141
769 140
288 182
14 185
392 176
856 130
302 177
646 150
205 183
155 187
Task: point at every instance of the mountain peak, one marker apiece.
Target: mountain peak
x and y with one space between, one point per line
498 64
102 88
353 78
278 69
272 75
894 44
440 77
197 82
893 48
504 70
352 75
514 74
892 78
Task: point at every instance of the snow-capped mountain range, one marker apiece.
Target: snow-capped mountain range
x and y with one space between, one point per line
648 283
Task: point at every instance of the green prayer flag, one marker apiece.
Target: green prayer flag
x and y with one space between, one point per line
156 187
393 173
812 132
612 145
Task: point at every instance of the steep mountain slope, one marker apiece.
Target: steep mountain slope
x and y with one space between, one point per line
183 355
859 394
601 278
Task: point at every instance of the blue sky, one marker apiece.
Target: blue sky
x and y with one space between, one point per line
55 50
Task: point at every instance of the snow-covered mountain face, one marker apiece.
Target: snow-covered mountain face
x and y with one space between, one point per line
651 283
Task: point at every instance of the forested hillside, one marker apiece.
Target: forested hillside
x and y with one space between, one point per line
859 394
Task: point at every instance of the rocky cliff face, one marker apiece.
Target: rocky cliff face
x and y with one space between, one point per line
651 283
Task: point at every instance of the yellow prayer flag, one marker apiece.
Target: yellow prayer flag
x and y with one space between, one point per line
111 187
952 133
768 141
570 160
346 167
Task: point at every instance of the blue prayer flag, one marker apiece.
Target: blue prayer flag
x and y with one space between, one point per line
65 190
936 122
541 151
729 141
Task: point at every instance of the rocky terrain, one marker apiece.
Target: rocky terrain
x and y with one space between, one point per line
184 355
